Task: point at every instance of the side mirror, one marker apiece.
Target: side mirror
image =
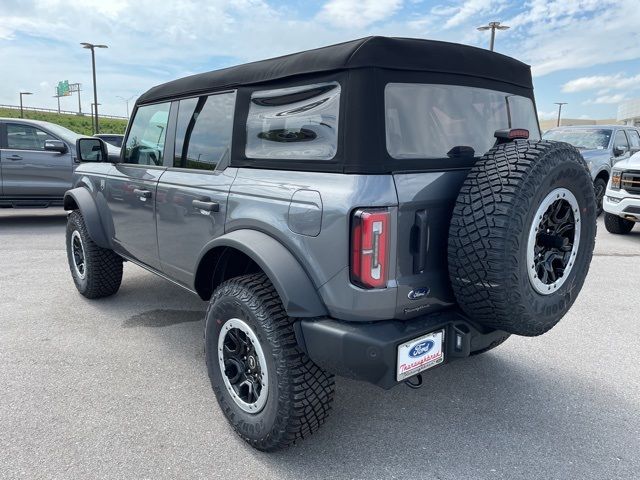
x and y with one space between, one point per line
55 146
91 149
621 150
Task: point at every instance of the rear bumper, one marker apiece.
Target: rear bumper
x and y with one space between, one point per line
368 351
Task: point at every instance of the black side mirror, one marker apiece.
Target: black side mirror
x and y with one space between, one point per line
91 149
619 150
55 146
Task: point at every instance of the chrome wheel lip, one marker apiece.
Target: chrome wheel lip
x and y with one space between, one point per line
77 246
538 285
258 405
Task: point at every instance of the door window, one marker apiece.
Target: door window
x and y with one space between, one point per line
634 139
203 132
26 137
620 140
145 142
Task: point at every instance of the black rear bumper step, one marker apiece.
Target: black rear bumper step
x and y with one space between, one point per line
368 351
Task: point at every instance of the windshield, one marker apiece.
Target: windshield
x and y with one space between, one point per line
586 138
451 121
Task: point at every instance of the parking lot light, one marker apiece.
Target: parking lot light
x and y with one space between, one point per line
92 47
21 94
493 26
559 111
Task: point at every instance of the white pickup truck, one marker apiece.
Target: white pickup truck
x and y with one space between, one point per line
622 199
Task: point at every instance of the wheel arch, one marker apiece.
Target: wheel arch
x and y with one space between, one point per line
80 198
603 174
249 251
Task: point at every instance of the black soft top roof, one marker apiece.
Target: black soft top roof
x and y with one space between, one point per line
383 52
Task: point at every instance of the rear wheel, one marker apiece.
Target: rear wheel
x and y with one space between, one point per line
270 391
96 271
617 225
522 236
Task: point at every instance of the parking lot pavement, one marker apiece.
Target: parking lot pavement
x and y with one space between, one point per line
117 388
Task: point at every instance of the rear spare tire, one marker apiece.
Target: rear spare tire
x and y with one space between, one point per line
522 236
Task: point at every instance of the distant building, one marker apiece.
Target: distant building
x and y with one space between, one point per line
629 112
565 122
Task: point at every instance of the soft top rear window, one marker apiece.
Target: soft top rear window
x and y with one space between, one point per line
426 121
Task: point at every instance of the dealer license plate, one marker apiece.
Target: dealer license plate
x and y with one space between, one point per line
420 354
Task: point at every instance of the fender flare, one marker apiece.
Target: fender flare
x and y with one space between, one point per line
296 290
81 197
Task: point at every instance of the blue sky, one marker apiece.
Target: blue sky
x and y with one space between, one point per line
584 52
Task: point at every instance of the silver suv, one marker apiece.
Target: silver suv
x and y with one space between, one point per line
371 209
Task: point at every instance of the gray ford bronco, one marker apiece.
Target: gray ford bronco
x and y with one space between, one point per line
371 209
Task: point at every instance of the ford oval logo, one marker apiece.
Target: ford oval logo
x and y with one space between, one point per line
418 293
421 349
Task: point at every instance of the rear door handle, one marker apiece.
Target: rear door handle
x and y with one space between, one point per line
206 205
14 157
142 193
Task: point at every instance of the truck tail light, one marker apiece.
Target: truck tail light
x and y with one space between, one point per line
369 247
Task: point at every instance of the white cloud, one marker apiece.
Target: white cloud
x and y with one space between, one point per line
605 82
471 9
556 35
547 115
606 99
358 13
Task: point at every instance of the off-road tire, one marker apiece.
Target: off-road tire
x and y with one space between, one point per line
492 345
600 187
300 393
617 225
103 273
490 227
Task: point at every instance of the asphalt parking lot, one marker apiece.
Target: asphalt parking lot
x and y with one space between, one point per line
117 388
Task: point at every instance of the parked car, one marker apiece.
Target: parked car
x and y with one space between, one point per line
371 209
602 146
114 139
622 201
37 160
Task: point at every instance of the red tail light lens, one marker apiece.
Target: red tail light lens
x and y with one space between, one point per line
369 247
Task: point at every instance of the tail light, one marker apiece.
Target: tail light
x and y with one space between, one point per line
369 247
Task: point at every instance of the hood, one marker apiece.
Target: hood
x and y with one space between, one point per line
631 163
589 154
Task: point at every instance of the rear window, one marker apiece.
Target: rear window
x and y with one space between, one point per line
450 121
294 123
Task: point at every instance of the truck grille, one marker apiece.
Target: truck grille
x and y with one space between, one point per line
631 182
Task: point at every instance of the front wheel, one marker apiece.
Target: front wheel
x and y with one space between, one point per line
269 390
96 271
600 187
617 225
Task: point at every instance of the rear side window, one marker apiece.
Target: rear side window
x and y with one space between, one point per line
203 133
440 121
145 143
294 123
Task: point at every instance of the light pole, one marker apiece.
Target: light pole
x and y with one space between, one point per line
493 26
559 111
92 47
126 100
93 117
21 94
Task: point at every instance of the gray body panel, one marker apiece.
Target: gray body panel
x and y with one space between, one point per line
183 229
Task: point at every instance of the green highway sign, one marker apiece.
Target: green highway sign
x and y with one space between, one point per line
63 89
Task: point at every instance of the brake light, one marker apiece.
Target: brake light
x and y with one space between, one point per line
512 134
369 247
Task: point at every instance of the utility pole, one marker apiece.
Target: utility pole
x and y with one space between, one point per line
493 26
21 94
126 101
559 111
92 47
